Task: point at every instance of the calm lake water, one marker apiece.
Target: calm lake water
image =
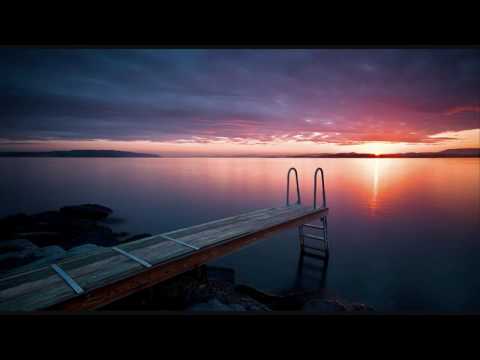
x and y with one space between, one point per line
404 233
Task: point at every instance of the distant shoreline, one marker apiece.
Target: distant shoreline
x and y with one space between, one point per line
451 153
78 154
242 157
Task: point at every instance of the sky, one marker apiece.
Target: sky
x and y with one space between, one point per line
239 101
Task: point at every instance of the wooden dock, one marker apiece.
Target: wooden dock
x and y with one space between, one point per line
100 277
92 280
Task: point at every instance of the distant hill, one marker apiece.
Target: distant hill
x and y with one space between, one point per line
472 152
79 153
467 152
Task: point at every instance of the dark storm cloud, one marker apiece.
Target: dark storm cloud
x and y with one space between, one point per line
360 95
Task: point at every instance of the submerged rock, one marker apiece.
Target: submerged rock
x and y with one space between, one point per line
98 234
211 305
220 274
50 253
16 252
82 249
323 306
38 257
16 245
87 211
214 304
34 257
13 224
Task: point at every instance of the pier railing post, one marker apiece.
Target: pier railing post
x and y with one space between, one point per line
288 186
315 189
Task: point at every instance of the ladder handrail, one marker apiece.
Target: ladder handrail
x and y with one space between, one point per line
288 186
315 189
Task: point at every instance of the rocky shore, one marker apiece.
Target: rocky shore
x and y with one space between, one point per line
213 289
30 241
27 241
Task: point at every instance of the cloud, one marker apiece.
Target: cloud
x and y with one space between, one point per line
461 109
259 95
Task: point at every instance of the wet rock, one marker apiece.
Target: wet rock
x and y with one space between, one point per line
54 227
211 305
98 235
48 219
323 306
220 286
112 220
87 211
50 253
14 253
121 234
82 249
361 307
216 304
289 302
41 257
220 274
16 245
13 224
43 238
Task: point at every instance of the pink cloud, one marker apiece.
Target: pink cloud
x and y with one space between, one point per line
460 109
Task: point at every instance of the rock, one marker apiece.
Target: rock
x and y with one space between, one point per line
98 235
87 211
35 258
361 307
121 234
220 274
15 253
113 220
218 304
290 302
55 220
135 237
16 245
43 238
12 224
323 306
239 307
82 249
49 218
46 256
211 305
50 253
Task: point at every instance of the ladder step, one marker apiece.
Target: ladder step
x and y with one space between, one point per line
314 226
314 248
314 268
312 277
316 256
319 238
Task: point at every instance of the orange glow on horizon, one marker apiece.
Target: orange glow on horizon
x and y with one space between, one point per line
278 146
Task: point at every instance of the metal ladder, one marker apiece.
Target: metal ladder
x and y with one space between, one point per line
317 232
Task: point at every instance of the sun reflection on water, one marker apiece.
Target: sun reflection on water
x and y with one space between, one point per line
373 203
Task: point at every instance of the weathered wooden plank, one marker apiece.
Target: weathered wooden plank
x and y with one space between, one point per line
35 294
215 223
164 271
222 234
162 251
89 275
232 228
43 271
